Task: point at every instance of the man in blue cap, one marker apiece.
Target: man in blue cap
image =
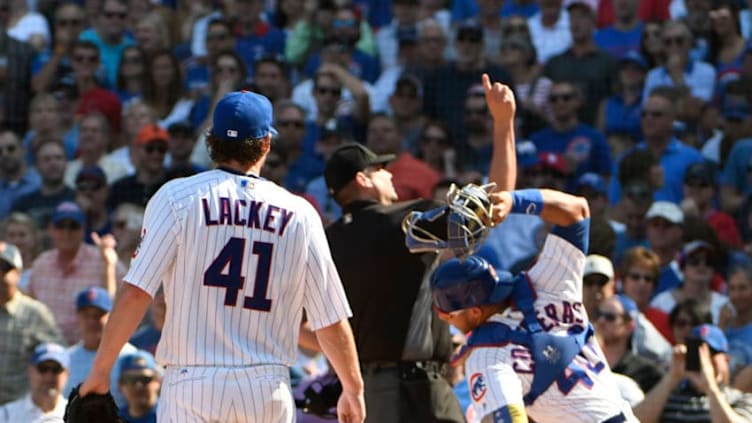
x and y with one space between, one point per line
239 258
703 394
93 306
71 265
139 382
47 371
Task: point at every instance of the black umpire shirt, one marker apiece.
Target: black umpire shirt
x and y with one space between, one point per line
381 278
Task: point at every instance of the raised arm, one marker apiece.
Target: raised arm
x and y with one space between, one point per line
500 100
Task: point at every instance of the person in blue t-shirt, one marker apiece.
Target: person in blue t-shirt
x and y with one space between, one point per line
256 37
584 147
110 36
625 34
658 115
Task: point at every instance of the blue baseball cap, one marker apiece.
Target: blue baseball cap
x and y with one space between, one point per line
241 115
632 56
630 307
593 181
49 351
94 297
713 336
527 154
70 211
139 360
91 173
735 109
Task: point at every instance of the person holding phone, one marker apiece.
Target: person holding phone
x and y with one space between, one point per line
697 384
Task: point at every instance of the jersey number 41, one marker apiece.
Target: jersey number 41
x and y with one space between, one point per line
231 257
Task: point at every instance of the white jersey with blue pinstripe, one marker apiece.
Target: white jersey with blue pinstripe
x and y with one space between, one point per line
240 258
500 376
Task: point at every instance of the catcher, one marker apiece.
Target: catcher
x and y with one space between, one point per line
537 358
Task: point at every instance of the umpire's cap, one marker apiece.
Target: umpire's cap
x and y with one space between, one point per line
243 115
459 284
348 160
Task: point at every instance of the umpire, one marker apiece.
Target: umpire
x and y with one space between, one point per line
402 345
403 348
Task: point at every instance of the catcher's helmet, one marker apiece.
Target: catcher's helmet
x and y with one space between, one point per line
468 215
458 284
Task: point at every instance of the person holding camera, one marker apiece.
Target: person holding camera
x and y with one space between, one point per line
696 385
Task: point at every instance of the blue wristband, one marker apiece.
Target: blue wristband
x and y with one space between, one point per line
527 201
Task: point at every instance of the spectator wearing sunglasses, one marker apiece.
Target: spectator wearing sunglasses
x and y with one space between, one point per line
71 265
639 174
657 122
596 83
680 70
93 306
616 322
665 228
700 189
139 382
16 178
150 151
109 33
696 262
30 323
448 86
639 277
597 282
91 195
54 63
48 373
643 338
584 147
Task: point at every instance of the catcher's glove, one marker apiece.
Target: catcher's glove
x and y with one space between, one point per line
321 396
468 214
91 408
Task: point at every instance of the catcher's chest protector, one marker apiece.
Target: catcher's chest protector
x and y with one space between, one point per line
551 353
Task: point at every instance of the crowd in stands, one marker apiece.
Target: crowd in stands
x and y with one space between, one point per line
641 106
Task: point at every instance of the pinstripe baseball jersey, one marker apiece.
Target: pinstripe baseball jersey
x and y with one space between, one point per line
500 376
239 258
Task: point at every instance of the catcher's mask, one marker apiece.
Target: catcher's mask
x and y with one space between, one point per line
459 284
468 221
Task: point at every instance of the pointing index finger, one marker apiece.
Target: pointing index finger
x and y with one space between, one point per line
486 82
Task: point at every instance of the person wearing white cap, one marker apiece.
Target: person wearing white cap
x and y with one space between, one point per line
597 282
47 371
24 323
664 233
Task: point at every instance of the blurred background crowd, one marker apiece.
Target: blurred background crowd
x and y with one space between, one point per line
641 106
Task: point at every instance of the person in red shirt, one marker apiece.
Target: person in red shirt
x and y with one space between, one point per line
649 10
413 178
